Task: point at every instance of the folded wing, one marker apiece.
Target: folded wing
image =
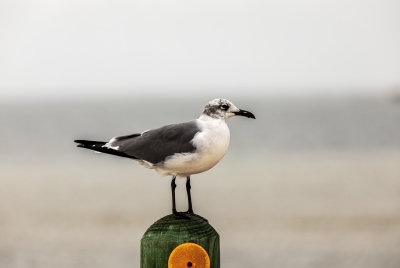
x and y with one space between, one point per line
155 145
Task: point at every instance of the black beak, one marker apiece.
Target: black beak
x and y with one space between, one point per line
245 113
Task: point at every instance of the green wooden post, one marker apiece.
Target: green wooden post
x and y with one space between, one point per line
168 233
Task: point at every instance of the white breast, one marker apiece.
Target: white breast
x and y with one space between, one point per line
211 145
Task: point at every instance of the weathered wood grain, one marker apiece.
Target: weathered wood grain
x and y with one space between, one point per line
167 233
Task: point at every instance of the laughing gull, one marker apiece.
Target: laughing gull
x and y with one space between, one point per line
178 150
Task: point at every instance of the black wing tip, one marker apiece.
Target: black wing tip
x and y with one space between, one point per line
87 142
98 147
83 141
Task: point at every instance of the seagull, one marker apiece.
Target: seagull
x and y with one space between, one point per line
178 150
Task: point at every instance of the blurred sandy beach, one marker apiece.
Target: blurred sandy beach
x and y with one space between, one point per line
310 183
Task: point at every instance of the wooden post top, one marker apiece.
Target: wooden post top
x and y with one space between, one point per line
192 238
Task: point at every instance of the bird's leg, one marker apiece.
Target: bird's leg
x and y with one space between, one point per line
188 187
190 210
174 212
173 186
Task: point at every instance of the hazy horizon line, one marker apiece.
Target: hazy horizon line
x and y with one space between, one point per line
142 92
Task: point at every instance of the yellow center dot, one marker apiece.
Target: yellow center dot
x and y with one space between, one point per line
189 255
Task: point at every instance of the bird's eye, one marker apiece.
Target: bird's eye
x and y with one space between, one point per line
224 107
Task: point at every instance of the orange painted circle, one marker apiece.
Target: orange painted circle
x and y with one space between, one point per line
189 255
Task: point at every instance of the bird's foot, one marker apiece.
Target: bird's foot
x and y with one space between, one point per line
190 212
180 215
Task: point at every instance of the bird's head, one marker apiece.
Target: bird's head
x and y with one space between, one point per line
224 109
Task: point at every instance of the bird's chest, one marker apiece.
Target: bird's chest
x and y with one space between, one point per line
212 142
211 145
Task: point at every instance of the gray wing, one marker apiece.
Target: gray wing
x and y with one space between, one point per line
157 144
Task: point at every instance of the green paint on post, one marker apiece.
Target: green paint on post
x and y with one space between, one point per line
169 232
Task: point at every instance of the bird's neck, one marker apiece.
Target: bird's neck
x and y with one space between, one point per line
205 117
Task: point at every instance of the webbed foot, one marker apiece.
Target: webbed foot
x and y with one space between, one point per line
190 212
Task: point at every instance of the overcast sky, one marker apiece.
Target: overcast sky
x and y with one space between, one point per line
75 48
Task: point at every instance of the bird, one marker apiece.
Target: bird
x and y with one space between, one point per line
178 150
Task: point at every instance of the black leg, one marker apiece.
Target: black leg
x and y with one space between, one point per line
176 214
188 187
173 186
190 210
